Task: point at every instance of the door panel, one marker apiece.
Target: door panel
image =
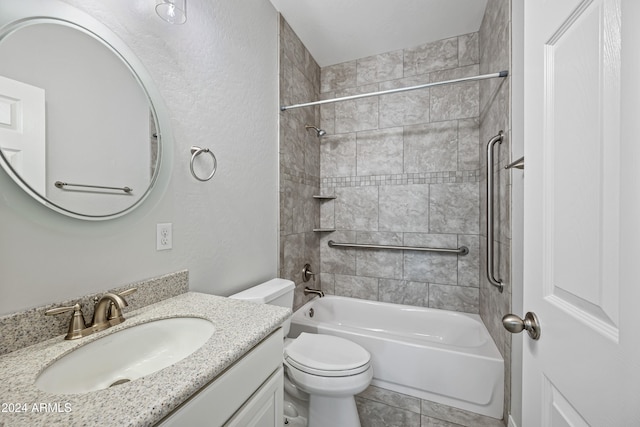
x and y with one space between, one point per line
581 161
22 131
582 207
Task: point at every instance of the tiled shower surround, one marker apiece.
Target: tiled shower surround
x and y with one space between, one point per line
495 107
299 162
405 171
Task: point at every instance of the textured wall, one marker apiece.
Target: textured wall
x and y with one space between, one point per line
495 108
404 169
217 77
299 162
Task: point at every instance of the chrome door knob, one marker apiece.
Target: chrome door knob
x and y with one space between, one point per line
515 324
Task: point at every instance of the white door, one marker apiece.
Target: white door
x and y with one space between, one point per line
22 131
582 212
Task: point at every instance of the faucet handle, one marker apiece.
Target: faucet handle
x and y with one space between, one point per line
307 273
60 310
76 325
127 292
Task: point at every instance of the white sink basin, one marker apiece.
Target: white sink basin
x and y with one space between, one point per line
125 355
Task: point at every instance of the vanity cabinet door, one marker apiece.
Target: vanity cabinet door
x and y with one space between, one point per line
264 409
244 389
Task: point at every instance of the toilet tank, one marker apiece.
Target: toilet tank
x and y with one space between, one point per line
274 292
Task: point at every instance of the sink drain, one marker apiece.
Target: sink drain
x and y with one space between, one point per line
122 381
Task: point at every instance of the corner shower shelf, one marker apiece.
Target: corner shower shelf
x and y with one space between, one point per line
322 197
323 230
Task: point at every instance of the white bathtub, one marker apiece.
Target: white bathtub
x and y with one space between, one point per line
443 356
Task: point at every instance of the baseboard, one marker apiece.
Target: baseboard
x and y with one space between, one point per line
511 422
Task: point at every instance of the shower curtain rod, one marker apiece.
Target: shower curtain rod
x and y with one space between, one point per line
402 89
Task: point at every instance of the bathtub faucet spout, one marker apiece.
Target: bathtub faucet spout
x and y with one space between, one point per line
308 290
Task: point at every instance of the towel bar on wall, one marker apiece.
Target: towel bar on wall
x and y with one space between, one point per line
489 211
61 186
462 250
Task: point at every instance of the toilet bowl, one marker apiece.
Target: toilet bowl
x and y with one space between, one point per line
329 369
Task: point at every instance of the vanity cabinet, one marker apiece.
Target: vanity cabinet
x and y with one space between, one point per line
248 393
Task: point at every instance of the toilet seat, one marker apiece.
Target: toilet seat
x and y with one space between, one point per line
326 355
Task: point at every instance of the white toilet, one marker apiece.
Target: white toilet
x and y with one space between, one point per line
329 370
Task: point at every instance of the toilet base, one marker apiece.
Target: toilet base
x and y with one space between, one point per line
325 411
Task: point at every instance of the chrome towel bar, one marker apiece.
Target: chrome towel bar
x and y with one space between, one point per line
462 250
61 185
489 211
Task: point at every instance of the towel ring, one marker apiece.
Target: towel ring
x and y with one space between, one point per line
195 152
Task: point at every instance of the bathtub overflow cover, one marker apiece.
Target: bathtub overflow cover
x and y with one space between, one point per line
311 312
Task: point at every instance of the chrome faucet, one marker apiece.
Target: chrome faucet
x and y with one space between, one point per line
107 312
308 290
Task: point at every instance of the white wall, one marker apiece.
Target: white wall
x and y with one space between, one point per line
217 75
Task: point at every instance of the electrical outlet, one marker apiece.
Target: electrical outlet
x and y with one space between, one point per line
164 237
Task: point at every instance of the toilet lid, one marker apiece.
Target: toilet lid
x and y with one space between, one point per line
326 355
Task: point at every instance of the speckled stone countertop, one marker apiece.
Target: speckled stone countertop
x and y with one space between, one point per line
239 326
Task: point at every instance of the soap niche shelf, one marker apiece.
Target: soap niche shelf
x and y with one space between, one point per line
323 197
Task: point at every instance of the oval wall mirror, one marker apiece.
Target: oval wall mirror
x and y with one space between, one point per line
78 130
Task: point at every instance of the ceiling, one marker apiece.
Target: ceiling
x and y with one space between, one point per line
336 31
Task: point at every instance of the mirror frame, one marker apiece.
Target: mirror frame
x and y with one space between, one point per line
16 14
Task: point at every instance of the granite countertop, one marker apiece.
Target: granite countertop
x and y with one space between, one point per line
239 326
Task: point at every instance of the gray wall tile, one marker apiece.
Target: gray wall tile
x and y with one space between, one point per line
430 267
454 208
377 68
456 298
338 76
468 152
468 49
385 190
357 208
327 214
405 108
469 265
357 287
379 152
404 292
328 283
404 208
431 147
358 114
439 55
337 260
455 101
338 155
379 263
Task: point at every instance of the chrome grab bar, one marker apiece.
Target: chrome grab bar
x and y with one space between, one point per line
490 243
61 185
462 250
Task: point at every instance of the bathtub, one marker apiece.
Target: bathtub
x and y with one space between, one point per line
442 356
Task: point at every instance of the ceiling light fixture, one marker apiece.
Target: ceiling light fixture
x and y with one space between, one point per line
172 11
